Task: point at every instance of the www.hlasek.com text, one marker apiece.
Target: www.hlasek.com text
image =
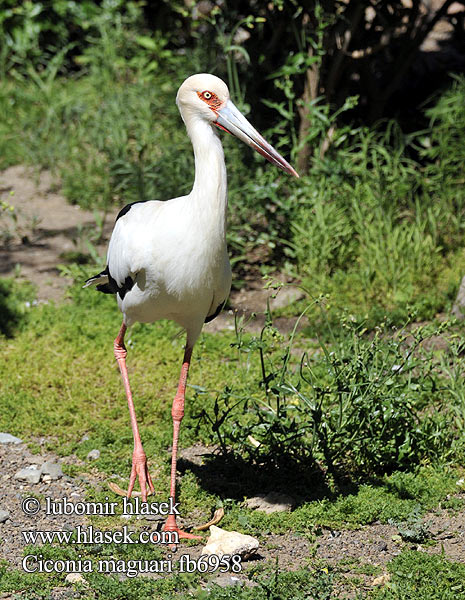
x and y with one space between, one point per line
90 535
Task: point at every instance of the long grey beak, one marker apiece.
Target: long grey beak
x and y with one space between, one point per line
232 120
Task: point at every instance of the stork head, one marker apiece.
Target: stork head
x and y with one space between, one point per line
206 97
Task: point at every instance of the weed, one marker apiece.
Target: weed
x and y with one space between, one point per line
357 404
423 577
414 529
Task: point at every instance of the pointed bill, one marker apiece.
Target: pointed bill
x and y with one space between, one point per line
232 120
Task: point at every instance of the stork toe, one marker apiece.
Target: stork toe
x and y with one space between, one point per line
171 526
140 471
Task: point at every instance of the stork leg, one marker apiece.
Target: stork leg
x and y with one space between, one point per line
177 412
139 460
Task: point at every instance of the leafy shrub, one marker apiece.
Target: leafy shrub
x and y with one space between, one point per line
380 231
358 405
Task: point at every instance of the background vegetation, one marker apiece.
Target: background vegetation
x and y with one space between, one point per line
361 416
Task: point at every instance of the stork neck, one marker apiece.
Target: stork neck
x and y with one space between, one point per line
209 192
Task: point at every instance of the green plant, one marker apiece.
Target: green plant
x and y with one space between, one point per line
414 529
423 577
356 404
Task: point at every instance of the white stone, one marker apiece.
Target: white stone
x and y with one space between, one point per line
30 474
7 438
4 515
223 542
271 502
52 469
75 578
93 454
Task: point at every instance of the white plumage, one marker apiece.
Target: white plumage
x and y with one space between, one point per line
168 260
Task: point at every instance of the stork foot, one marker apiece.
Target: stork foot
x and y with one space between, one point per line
172 526
139 471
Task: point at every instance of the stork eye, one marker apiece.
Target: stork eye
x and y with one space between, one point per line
211 99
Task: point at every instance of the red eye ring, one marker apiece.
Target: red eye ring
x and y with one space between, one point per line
211 99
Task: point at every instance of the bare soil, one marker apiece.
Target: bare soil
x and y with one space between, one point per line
375 544
46 228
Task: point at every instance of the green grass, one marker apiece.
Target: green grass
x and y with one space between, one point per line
419 576
70 385
381 232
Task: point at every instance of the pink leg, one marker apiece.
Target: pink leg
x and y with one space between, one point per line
139 459
177 412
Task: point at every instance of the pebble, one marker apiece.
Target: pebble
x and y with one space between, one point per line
381 580
271 502
52 469
30 474
154 517
93 454
459 304
223 542
225 580
287 295
4 515
7 438
75 578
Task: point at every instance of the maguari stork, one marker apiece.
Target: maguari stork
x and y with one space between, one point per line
169 260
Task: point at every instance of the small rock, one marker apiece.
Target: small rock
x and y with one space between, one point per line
93 454
271 502
287 295
458 310
223 542
7 438
154 517
84 438
53 469
4 515
381 546
225 580
75 578
195 454
30 474
381 580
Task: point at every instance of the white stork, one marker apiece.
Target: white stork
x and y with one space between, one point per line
168 260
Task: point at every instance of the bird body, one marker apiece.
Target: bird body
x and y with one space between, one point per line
168 260
152 244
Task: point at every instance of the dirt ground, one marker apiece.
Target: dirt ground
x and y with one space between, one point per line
375 544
